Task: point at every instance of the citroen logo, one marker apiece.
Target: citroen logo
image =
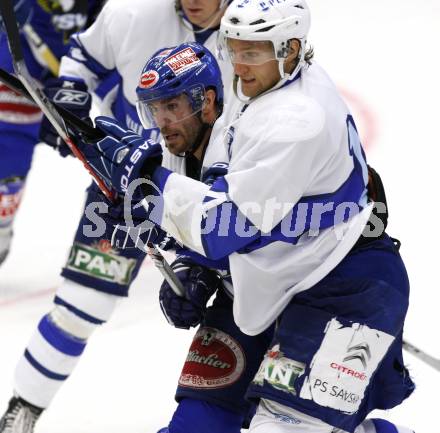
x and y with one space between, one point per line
359 351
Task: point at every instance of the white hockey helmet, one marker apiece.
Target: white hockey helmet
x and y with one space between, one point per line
277 21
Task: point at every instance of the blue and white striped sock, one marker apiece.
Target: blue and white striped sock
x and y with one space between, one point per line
47 362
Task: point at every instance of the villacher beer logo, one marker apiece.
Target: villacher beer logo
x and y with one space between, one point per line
214 360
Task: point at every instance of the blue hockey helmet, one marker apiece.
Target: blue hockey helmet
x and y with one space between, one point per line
183 72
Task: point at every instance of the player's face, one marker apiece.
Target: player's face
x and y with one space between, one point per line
202 13
178 123
255 64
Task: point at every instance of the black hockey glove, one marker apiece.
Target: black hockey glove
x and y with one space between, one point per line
73 96
200 284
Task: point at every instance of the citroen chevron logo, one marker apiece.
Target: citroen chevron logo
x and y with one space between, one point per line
359 351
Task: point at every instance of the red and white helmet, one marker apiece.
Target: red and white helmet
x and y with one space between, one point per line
277 21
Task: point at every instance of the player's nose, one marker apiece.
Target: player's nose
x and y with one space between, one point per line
240 69
162 120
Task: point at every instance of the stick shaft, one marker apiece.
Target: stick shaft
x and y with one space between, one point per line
422 355
58 118
166 270
37 94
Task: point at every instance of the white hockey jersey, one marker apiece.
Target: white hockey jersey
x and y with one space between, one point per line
292 205
124 36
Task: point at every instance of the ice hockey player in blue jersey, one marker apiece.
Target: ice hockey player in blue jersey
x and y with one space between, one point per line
294 218
106 59
45 26
222 360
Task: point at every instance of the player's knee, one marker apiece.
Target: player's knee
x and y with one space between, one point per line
70 323
276 418
197 416
79 310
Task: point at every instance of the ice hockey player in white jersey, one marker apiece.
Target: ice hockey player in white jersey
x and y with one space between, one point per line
221 360
293 216
106 59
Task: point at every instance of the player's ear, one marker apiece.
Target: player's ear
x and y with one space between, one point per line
294 47
292 56
209 106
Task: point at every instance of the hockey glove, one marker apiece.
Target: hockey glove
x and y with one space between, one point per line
73 96
200 284
123 157
124 231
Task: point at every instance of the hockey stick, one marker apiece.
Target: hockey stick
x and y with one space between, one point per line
57 115
76 123
158 259
27 86
42 49
71 120
423 356
166 270
46 106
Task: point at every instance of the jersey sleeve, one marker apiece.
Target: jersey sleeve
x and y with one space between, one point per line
270 171
93 53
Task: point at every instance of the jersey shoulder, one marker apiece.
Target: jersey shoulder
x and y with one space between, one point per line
146 14
285 116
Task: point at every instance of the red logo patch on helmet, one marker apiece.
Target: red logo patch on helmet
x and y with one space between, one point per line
183 60
214 360
148 79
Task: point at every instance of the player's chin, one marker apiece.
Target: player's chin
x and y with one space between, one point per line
250 88
195 16
175 144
